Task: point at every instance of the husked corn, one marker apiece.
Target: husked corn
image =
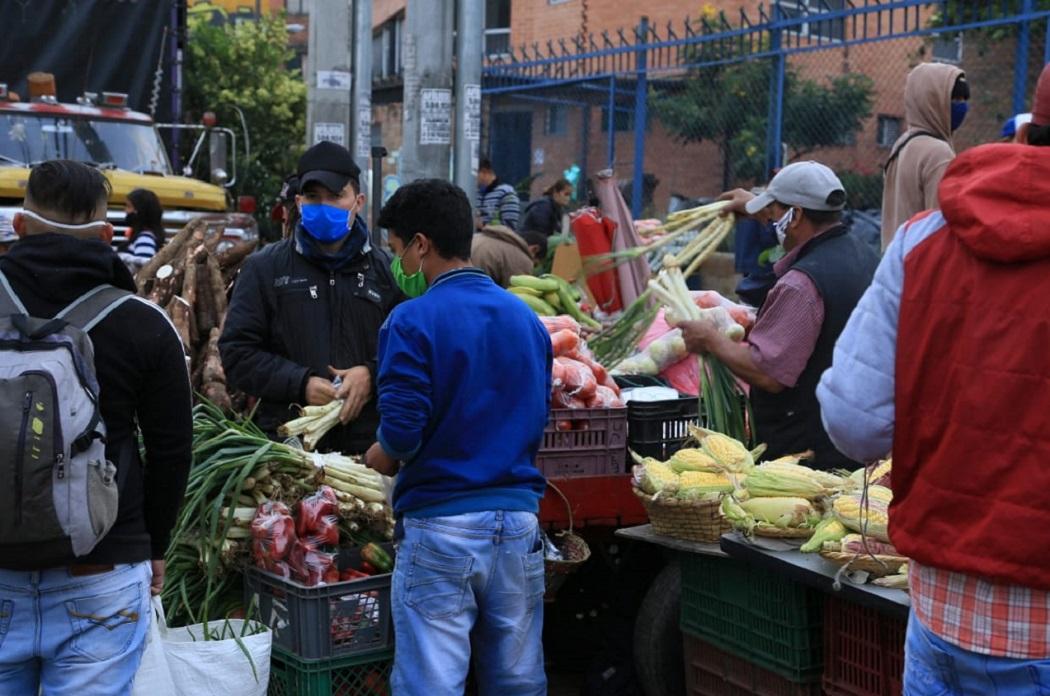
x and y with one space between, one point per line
692 460
730 454
657 477
873 520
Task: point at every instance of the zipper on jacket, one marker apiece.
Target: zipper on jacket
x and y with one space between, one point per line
27 403
331 279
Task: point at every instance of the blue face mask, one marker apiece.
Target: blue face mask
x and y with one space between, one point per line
326 223
959 110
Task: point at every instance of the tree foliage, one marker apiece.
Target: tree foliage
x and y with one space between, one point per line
245 64
729 105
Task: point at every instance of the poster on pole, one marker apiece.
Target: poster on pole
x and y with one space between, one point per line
334 79
364 132
435 117
332 132
472 127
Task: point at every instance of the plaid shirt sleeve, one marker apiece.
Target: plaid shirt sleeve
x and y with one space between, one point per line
787 328
980 615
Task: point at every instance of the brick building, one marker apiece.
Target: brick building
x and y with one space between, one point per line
541 134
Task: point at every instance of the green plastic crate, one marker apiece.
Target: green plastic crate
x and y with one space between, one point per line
773 622
361 675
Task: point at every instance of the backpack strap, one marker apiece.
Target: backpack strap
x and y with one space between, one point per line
9 302
896 153
92 307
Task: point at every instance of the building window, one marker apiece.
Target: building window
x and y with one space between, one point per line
386 49
948 48
557 121
815 27
497 27
889 130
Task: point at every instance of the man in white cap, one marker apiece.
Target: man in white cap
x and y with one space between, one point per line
819 281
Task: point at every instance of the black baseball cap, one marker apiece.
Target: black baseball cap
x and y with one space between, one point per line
328 164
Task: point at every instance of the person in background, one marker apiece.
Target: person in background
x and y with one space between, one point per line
944 364
464 389
1013 129
303 323
819 281
545 213
501 252
144 217
936 100
498 202
80 628
285 210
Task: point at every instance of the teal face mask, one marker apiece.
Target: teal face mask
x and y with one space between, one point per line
412 285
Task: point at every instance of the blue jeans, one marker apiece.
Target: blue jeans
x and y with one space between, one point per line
933 666
469 585
62 634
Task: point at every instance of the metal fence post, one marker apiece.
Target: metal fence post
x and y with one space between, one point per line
610 124
641 113
1024 41
1046 44
774 152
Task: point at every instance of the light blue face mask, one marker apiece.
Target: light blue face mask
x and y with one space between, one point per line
325 223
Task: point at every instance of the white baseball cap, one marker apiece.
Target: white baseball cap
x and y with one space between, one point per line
807 185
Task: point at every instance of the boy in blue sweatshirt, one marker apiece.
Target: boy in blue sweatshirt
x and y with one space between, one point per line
464 388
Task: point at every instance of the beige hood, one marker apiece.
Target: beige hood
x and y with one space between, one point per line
928 98
506 234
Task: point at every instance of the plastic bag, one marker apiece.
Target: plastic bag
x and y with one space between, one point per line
565 342
576 378
559 399
605 398
740 313
318 519
273 534
153 677
561 322
312 567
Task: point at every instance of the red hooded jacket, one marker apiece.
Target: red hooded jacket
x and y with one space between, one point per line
971 454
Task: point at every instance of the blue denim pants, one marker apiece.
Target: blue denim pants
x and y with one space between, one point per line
62 635
468 586
935 667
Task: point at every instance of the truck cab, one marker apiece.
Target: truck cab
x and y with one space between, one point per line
124 144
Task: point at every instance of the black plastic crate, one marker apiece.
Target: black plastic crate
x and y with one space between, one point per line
660 428
337 620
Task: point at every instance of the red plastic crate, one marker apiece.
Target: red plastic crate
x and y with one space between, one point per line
597 501
594 445
863 651
713 672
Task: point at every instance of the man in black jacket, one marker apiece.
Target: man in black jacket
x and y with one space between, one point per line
95 610
303 324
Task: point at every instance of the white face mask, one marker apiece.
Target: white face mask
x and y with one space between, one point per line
781 225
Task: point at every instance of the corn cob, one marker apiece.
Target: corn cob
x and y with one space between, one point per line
873 520
826 479
695 485
780 512
855 543
730 454
878 474
774 482
692 460
657 477
829 529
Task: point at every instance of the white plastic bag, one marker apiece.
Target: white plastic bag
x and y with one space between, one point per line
226 667
154 676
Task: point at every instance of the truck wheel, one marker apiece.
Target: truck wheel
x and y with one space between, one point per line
657 638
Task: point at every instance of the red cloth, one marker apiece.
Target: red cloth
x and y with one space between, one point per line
594 236
971 446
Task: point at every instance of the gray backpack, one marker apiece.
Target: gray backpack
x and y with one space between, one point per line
58 492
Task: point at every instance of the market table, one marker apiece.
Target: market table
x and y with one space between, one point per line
811 570
645 533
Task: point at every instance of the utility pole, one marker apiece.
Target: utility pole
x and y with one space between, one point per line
470 38
427 111
361 102
328 75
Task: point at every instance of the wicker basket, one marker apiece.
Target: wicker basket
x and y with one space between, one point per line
877 565
692 520
574 551
771 532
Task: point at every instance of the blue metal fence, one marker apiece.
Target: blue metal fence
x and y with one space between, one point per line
619 72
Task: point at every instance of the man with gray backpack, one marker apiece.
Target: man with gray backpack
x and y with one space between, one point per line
85 367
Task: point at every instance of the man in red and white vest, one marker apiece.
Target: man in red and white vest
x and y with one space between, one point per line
946 361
